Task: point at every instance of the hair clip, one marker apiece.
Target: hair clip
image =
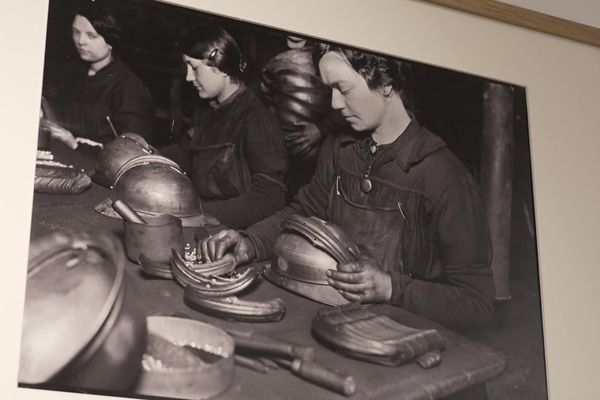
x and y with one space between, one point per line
213 54
242 65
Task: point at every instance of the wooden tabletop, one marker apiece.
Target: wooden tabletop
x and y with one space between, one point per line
464 363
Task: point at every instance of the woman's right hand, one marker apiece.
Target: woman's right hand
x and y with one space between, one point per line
214 247
305 140
59 133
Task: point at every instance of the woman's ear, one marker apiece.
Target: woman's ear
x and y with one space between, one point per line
387 91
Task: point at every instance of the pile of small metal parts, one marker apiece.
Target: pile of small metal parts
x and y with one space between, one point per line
212 287
149 363
45 157
185 359
164 354
216 279
360 333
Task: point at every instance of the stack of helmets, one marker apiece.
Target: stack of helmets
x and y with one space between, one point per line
304 251
295 91
116 153
154 185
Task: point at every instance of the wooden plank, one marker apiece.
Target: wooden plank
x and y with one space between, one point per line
525 18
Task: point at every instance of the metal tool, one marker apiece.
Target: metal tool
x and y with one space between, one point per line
126 212
324 377
266 344
112 127
250 363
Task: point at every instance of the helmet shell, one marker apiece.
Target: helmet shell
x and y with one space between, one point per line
156 185
116 153
304 251
293 88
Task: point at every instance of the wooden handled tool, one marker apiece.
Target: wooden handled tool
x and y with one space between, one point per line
317 374
250 363
126 212
265 344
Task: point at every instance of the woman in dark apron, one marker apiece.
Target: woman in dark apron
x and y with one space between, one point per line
397 191
234 152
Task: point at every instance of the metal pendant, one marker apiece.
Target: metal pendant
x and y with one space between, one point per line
366 185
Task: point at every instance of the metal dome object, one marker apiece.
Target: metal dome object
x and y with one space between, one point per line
116 153
153 185
80 312
304 251
291 84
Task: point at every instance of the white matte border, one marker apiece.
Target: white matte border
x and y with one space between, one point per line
563 93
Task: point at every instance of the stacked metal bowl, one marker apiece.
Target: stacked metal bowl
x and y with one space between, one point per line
212 288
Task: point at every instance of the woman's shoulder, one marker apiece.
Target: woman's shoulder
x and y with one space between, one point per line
250 107
250 102
119 70
440 171
123 81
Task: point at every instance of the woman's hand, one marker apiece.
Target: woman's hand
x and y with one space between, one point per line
304 140
59 133
214 247
361 281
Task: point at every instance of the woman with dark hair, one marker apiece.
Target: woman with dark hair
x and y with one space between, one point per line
234 152
398 192
98 97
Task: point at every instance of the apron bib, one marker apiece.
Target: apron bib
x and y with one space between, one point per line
390 224
218 172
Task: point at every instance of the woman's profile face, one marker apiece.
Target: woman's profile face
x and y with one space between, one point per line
90 45
360 106
209 81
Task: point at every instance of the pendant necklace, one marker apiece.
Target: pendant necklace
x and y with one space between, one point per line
365 184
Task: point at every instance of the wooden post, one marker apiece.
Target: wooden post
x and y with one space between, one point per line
496 177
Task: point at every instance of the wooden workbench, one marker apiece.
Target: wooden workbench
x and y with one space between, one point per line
465 364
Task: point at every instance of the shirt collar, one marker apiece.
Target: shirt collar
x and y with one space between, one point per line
410 148
230 107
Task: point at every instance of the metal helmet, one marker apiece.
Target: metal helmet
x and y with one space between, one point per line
292 86
79 309
116 153
153 185
304 251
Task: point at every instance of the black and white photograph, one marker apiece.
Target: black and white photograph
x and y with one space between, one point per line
224 209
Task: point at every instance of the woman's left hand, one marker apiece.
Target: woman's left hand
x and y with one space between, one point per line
361 281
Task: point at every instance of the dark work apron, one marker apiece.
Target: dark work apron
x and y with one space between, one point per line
390 223
220 172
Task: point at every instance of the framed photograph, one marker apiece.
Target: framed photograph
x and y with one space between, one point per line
517 108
